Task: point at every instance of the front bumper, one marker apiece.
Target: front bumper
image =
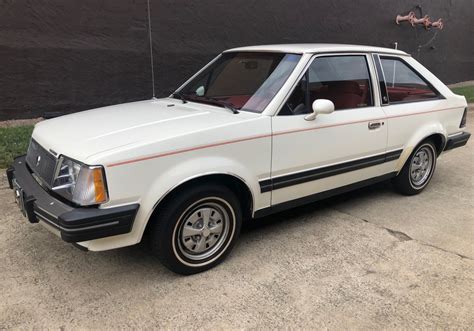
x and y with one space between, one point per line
457 141
75 224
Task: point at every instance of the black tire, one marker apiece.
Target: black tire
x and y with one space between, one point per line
172 223
405 182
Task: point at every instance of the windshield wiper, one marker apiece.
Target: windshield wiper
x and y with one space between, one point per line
185 98
179 95
227 105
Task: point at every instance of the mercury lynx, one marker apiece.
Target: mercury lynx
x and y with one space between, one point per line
258 130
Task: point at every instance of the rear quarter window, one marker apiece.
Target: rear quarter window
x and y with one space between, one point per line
404 84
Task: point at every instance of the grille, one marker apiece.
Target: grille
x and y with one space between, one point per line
41 162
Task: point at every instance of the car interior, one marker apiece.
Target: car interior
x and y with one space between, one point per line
345 94
344 80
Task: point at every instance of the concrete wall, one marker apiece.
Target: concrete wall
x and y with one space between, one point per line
65 55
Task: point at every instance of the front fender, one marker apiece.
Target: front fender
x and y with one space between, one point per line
185 171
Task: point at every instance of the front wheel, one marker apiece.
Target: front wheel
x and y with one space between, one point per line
418 170
196 229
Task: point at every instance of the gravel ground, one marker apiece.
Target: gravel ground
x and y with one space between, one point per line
368 259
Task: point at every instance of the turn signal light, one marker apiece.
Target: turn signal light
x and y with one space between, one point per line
99 185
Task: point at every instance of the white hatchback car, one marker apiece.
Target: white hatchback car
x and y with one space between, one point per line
257 130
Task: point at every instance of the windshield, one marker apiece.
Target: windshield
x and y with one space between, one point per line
242 80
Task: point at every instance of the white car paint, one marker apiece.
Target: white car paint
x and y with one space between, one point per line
149 148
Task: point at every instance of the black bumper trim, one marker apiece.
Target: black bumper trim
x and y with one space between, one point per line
75 224
457 141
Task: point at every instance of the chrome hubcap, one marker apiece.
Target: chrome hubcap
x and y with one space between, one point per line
421 165
203 230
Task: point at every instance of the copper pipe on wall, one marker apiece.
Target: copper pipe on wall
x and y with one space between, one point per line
409 17
438 24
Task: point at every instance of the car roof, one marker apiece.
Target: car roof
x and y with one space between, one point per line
316 48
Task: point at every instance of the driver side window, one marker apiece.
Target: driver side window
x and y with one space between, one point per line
343 79
297 103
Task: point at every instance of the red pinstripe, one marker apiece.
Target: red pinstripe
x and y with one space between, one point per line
184 150
188 150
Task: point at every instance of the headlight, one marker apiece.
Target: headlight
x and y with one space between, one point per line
80 183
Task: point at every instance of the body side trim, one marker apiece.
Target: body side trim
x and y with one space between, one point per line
331 164
320 196
179 151
327 171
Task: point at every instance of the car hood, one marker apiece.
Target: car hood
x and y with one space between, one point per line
85 135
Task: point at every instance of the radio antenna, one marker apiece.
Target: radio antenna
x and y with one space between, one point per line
151 50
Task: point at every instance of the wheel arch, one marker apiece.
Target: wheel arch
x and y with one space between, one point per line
234 182
438 137
439 140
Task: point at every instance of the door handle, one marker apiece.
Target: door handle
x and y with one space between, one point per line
375 125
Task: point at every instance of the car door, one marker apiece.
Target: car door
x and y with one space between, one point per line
334 150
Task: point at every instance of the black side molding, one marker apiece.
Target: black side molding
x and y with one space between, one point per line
323 172
457 141
265 185
321 195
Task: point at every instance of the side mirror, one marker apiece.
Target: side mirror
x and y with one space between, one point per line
320 106
200 91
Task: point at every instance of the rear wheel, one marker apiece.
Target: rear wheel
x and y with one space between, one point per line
418 170
196 229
